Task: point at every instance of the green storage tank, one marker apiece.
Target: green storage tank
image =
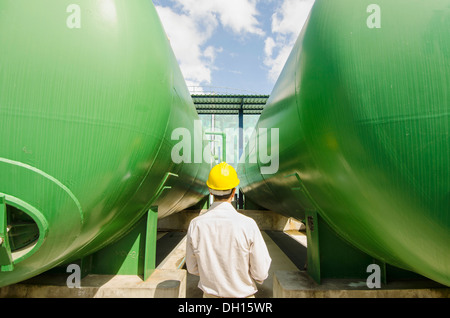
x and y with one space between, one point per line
362 110
90 94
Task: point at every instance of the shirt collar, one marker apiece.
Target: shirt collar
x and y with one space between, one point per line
221 205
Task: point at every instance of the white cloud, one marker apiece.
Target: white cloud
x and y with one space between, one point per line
277 62
186 45
211 52
269 45
287 23
291 16
238 15
191 23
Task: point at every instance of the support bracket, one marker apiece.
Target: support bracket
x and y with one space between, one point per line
6 260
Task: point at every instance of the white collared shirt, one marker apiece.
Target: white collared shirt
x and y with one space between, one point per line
226 249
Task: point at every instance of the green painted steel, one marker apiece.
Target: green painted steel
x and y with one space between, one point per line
90 94
362 107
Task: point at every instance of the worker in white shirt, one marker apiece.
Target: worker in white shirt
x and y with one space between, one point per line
224 247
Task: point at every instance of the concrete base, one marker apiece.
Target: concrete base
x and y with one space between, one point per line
161 284
298 284
279 262
176 258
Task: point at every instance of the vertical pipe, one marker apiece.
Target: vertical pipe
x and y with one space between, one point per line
241 148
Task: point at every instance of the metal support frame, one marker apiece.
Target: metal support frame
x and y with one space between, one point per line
6 261
241 128
134 253
229 104
329 255
216 104
240 201
150 242
224 143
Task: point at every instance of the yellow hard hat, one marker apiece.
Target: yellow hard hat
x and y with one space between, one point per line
222 177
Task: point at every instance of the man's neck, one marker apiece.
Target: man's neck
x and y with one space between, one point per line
222 201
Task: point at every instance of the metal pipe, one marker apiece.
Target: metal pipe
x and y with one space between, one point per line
224 142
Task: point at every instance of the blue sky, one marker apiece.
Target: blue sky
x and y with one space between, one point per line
223 45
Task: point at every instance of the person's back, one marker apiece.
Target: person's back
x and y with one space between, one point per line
224 247
227 251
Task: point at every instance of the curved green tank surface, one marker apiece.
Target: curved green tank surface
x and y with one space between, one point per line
89 97
363 120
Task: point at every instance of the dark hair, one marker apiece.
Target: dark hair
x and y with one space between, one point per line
223 197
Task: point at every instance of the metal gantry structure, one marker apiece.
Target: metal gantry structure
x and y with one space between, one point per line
230 104
240 105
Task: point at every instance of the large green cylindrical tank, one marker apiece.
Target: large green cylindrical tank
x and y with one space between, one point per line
362 111
90 94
